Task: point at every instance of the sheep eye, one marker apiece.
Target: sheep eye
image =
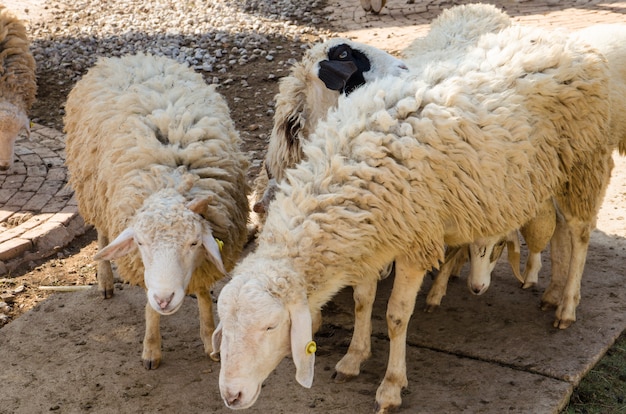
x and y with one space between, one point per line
271 328
343 55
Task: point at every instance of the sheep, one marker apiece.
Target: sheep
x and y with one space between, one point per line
155 163
608 39
404 166
18 84
327 70
485 253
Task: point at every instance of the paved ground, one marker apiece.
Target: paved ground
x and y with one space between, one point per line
494 353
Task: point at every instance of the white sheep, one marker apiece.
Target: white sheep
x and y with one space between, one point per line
404 166
327 70
18 84
154 159
608 39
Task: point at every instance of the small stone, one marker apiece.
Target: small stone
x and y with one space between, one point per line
7 297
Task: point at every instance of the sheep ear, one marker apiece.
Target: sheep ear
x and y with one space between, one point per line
199 205
302 345
122 245
213 250
513 253
335 73
216 341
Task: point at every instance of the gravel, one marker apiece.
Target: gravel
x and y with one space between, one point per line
211 36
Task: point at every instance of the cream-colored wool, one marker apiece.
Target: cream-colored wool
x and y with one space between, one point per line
454 30
405 166
18 84
149 145
610 40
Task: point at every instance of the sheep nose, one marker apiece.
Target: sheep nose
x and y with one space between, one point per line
163 302
477 290
231 397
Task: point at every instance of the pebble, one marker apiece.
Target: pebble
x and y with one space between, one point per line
211 36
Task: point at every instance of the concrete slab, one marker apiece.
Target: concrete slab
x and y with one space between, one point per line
41 348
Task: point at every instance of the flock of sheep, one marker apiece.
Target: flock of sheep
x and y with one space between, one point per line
481 129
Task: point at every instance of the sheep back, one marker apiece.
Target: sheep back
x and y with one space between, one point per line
138 124
610 39
454 30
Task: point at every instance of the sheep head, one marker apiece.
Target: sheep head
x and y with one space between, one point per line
484 254
260 324
172 238
348 65
12 121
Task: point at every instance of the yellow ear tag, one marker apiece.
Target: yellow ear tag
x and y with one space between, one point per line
310 348
220 243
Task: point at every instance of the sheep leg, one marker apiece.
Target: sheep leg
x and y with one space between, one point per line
560 253
408 280
360 346
566 309
531 271
105 273
151 356
207 323
454 261
537 233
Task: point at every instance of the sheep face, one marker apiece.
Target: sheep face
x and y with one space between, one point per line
257 330
172 240
11 123
484 254
349 65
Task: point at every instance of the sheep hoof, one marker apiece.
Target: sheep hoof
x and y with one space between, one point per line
379 410
215 356
528 285
341 378
546 305
430 308
108 293
377 6
151 363
562 323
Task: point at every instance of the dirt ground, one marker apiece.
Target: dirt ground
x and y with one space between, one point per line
74 266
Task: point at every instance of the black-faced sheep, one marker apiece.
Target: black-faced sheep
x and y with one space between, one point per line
327 70
18 84
403 167
154 159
